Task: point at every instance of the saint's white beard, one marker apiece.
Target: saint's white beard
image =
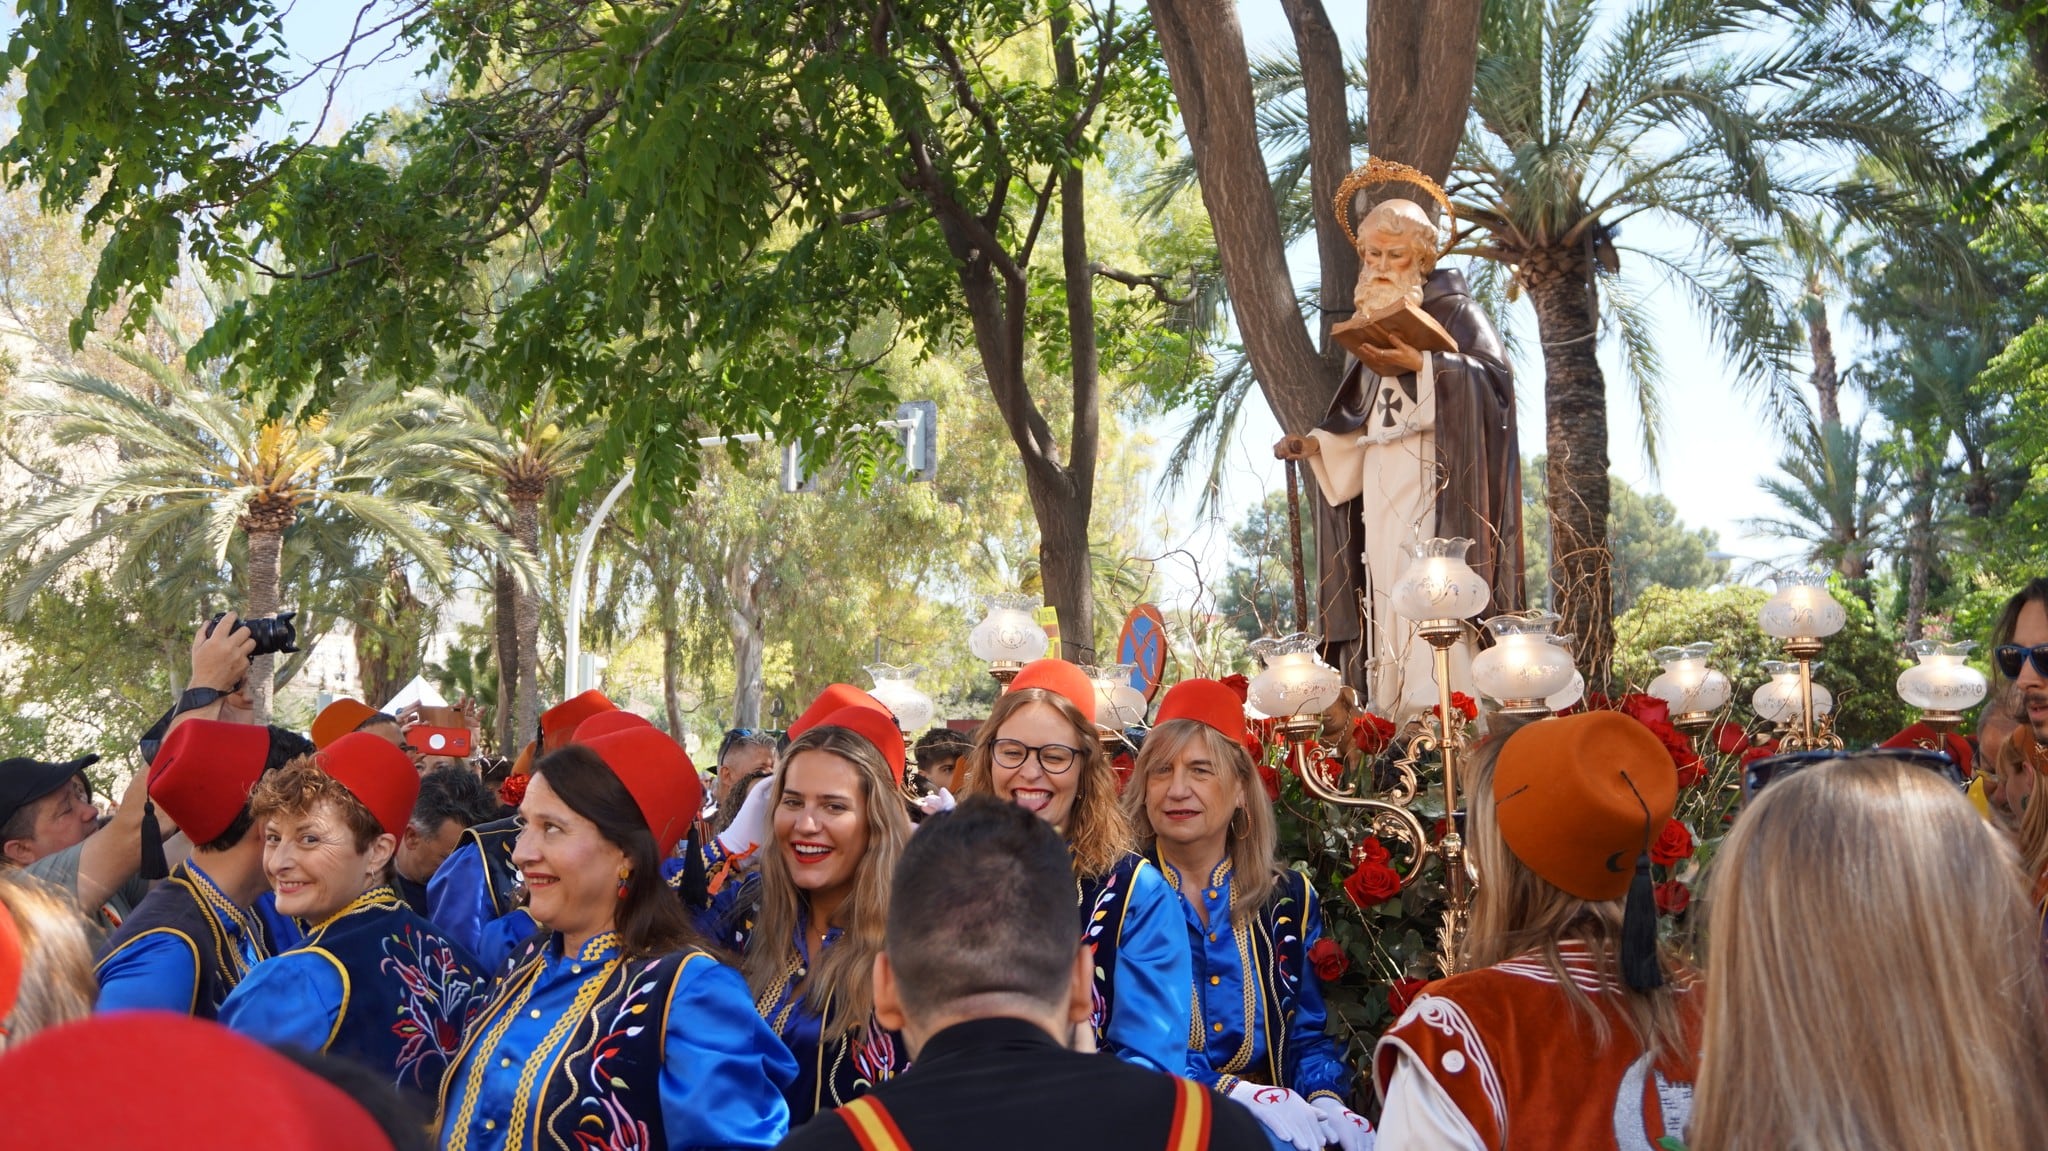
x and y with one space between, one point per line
1371 297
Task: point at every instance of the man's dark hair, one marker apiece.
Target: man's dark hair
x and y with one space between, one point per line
285 746
942 743
2036 591
458 795
983 904
375 719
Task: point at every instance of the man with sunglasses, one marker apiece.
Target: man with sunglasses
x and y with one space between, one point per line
2020 655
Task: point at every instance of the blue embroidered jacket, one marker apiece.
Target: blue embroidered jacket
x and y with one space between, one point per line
1130 918
829 1074
594 1052
1257 1012
183 949
373 983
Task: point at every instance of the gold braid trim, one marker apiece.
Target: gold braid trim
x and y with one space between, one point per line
1376 171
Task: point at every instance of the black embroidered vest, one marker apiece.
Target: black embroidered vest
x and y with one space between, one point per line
411 991
1103 901
183 907
494 840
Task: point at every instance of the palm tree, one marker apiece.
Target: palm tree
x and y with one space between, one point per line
1834 496
193 469
1719 118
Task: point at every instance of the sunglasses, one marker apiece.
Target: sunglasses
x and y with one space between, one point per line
1763 771
2011 656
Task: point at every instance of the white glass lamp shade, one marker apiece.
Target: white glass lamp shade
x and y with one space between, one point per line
1941 681
1573 692
1117 703
1687 683
1008 634
1439 584
1526 662
1778 700
896 688
1802 608
1296 680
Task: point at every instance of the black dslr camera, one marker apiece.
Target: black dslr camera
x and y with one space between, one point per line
273 633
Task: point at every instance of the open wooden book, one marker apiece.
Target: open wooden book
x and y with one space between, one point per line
1414 326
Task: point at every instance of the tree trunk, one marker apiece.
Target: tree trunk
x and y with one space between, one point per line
749 641
1575 437
1420 60
526 610
1321 55
1205 58
1919 547
1827 381
1065 565
266 549
505 629
664 571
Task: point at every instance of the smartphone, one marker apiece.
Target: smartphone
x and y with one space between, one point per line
449 741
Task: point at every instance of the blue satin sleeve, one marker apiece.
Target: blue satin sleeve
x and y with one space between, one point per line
723 1072
295 998
1148 1022
459 903
281 933
155 971
1318 1068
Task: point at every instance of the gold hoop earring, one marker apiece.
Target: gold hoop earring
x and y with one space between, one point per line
1234 832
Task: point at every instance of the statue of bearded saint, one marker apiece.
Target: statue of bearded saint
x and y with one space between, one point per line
1416 445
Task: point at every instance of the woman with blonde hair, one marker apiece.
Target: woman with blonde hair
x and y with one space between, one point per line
1565 1026
1874 978
809 921
45 960
1202 817
1039 750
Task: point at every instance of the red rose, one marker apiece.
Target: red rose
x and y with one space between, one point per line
1123 764
1371 733
1270 779
1690 773
1645 709
1369 850
1756 753
1673 897
1327 768
1329 960
1372 884
513 789
1595 701
1730 738
1673 844
1239 686
1402 993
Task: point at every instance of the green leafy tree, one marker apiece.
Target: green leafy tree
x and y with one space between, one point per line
1651 546
1834 495
1258 588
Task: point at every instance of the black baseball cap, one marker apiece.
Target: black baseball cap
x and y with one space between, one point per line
24 780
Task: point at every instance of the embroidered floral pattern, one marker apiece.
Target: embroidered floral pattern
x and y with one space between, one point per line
438 1003
616 1127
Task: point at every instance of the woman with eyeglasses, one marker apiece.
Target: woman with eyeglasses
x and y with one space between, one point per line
1874 975
809 921
1565 1026
1202 817
1039 750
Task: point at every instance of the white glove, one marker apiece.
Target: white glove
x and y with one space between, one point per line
749 829
1284 1113
1343 1126
938 801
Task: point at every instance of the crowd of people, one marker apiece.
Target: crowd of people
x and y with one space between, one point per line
340 939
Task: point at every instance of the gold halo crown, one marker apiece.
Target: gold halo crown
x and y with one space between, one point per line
1376 171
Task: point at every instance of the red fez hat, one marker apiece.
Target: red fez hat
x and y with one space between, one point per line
1208 702
875 727
833 698
558 723
381 777
607 722
1579 797
658 774
202 774
294 1109
337 719
11 962
1060 678
1922 736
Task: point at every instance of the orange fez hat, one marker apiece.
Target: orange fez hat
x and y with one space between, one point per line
558 724
1207 702
1578 798
835 697
878 728
381 777
607 722
294 1109
336 720
202 774
658 774
1060 678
